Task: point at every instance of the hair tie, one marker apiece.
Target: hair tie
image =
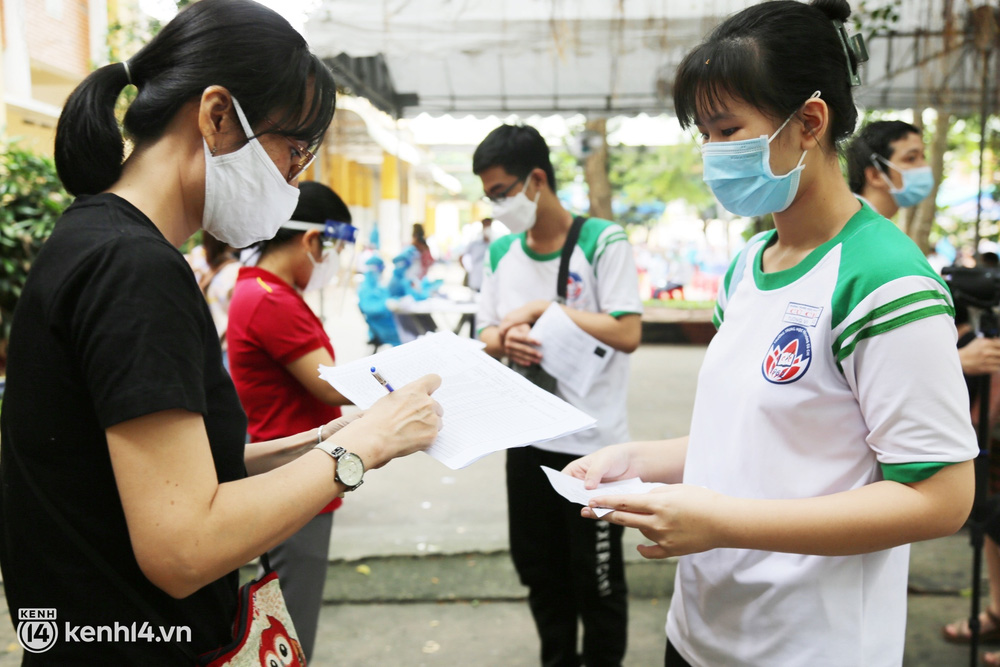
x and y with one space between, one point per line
128 73
855 45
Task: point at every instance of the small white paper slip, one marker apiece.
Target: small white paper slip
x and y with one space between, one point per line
569 354
572 489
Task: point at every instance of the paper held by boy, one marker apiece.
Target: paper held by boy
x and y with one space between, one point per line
569 354
487 406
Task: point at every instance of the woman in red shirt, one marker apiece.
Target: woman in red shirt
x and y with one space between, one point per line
276 343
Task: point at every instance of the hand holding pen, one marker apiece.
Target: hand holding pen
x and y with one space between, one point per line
403 421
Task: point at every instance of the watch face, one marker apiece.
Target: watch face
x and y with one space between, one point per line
350 469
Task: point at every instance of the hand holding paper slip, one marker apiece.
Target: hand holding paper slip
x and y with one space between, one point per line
569 354
572 489
487 406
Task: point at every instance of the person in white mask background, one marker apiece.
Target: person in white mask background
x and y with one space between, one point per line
572 567
831 423
124 488
276 343
887 166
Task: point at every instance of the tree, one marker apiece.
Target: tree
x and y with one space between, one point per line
645 174
596 171
31 200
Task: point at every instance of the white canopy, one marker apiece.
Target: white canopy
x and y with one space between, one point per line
598 57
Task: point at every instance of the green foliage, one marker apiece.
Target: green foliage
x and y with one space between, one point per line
876 17
566 167
31 200
644 174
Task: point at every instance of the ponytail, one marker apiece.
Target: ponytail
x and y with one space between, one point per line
89 144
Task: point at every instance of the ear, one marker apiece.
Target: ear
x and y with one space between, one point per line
815 119
874 178
215 115
308 237
539 176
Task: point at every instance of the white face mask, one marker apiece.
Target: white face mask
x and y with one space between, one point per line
518 212
246 197
323 271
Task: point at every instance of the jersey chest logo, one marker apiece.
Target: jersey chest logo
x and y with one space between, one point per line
574 287
789 356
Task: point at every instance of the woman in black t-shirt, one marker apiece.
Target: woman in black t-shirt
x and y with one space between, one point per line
121 432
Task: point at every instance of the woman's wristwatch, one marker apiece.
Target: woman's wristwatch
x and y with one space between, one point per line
350 469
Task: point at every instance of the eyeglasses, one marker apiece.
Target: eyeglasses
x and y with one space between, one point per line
302 157
500 196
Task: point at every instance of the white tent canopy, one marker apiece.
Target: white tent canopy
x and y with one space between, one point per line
602 57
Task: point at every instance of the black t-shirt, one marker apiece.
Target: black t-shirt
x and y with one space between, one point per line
111 326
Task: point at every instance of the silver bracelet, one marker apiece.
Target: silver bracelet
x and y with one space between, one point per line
319 435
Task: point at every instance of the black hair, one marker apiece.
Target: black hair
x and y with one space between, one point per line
317 203
238 44
876 137
517 149
989 260
773 56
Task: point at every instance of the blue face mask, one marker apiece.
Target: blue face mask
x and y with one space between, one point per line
739 174
917 183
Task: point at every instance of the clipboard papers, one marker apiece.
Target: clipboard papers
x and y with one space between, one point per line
569 354
487 406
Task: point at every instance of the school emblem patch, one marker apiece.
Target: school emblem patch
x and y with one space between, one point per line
574 287
789 356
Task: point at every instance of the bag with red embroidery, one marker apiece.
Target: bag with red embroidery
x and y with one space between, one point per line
263 633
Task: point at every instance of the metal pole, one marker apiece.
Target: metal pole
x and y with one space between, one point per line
983 113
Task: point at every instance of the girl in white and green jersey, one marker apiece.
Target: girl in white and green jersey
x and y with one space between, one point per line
831 422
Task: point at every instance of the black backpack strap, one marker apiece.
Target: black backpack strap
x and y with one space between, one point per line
567 251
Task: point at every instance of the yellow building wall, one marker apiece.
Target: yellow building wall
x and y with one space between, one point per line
28 134
430 215
390 176
61 41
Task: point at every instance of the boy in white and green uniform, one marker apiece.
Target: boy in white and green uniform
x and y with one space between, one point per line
816 383
573 567
602 279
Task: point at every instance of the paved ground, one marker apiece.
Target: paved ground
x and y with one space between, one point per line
419 572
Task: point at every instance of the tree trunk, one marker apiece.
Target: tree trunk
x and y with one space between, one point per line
595 170
922 218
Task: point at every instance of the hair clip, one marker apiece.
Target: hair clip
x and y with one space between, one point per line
855 45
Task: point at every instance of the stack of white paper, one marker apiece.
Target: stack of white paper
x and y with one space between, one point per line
487 406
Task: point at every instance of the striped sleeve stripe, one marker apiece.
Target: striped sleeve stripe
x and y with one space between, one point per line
718 316
603 243
909 308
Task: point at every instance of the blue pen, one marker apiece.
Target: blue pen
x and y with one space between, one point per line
381 380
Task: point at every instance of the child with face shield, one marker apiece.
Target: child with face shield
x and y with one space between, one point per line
831 424
276 343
